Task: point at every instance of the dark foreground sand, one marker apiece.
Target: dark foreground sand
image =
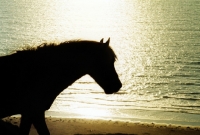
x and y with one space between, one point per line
72 126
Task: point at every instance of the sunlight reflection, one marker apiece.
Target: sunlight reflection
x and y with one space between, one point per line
88 19
93 112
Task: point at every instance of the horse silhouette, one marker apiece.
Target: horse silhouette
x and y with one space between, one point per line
32 78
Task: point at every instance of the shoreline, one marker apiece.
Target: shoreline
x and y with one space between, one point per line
83 126
169 119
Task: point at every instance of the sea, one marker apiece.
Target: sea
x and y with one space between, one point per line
157 43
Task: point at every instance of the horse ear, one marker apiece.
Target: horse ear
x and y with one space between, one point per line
107 42
101 41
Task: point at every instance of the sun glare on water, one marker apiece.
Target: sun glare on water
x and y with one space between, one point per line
88 19
93 112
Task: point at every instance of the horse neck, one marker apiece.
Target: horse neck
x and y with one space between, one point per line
71 62
68 68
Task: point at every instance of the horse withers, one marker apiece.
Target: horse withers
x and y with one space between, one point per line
32 78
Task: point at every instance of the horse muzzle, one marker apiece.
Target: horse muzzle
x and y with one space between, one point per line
113 89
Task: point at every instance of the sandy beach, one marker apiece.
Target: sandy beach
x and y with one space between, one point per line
81 126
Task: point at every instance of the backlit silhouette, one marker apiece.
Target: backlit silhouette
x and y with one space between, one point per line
31 79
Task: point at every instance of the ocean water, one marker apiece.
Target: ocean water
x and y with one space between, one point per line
157 43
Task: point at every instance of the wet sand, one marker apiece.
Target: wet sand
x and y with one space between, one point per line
75 126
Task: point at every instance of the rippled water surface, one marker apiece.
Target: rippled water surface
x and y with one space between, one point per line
157 43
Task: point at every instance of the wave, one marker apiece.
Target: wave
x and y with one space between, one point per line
190 93
181 98
190 106
194 63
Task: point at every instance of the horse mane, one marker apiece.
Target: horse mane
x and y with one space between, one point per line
63 46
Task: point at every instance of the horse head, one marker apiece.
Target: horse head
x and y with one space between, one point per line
103 70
